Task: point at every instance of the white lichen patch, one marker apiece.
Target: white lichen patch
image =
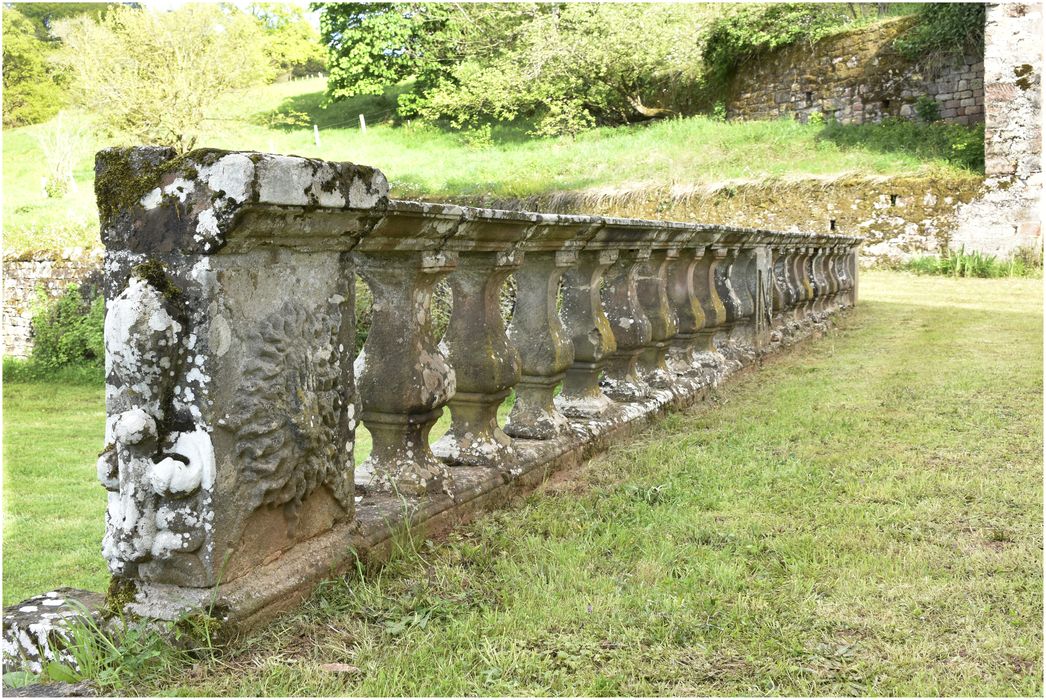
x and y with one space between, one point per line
232 174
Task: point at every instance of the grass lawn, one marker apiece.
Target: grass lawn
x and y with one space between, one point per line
426 160
53 504
862 515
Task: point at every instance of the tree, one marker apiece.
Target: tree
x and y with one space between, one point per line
291 43
151 75
43 15
568 64
31 90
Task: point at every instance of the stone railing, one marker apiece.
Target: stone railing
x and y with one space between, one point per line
233 394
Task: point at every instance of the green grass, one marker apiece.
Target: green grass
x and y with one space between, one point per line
959 263
425 160
53 504
860 516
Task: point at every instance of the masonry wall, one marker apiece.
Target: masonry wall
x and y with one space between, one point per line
856 77
900 218
25 279
1009 214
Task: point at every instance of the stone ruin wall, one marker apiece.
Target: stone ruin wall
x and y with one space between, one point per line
1008 214
856 77
24 279
899 218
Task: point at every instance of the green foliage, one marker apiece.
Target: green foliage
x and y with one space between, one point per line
150 76
945 29
927 109
43 15
567 66
719 111
19 679
123 653
291 44
959 263
960 145
68 330
31 86
747 31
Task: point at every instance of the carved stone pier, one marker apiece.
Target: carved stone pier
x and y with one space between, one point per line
234 393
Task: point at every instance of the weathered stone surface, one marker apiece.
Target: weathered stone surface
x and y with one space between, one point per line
34 630
229 384
853 77
83 689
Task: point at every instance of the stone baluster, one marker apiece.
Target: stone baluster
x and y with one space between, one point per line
652 291
849 268
781 291
820 278
731 302
803 264
590 332
797 290
832 276
631 327
682 293
486 364
740 279
401 261
537 331
712 306
761 287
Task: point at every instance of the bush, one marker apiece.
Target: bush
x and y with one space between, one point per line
31 90
69 330
926 108
750 30
945 29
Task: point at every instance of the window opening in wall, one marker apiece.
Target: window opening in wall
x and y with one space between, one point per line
886 104
831 224
809 98
893 200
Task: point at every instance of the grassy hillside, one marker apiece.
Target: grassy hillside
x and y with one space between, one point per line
421 159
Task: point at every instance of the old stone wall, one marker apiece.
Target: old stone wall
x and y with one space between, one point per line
856 77
23 279
899 217
1008 216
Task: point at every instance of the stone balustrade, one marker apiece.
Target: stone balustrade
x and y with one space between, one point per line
234 394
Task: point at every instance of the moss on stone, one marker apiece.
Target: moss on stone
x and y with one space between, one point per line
119 185
119 595
153 272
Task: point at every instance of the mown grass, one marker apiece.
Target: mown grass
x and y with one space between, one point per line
860 516
426 160
53 504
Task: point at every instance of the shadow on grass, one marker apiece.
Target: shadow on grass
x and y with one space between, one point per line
959 145
314 108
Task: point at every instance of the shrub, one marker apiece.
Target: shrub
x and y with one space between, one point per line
750 30
944 29
927 109
68 331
